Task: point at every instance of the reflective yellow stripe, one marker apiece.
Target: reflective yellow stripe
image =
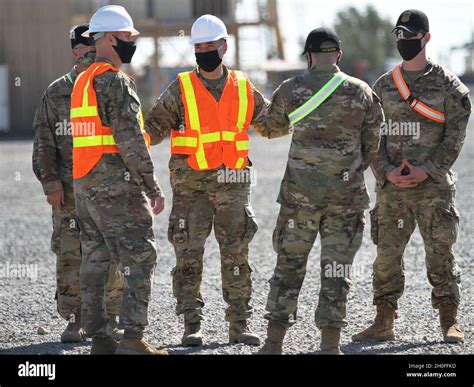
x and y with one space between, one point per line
193 116
184 141
85 110
88 111
242 145
239 163
317 99
210 137
228 136
142 123
80 142
243 99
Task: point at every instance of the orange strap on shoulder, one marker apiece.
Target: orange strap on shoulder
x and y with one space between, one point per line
414 103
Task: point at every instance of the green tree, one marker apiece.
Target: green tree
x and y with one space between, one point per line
367 42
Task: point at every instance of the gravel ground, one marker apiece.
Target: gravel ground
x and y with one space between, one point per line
27 304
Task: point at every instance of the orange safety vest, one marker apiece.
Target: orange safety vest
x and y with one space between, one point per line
216 132
90 139
414 103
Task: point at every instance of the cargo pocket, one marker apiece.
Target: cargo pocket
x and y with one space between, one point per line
178 230
56 237
359 231
251 224
445 225
278 233
374 225
277 237
174 281
272 300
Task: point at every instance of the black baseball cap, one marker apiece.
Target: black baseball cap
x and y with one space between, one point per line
317 37
413 20
76 36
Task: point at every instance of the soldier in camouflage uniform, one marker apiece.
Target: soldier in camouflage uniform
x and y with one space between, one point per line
113 195
204 198
415 183
335 137
52 164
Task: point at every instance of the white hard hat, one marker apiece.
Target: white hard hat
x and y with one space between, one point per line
208 28
111 18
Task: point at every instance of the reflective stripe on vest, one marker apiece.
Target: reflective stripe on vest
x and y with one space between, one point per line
185 141
243 101
80 142
89 111
85 110
193 117
90 146
243 104
316 100
205 138
414 103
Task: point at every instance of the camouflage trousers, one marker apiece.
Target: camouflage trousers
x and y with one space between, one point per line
116 225
66 244
293 238
193 214
393 221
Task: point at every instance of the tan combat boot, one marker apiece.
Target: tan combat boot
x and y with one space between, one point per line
330 340
274 341
192 336
382 328
239 332
103 346
117 334
133 343
452 333
73 333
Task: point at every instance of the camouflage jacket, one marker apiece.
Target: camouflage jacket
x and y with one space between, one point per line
423 142
168 114
52 149
119 108
332 146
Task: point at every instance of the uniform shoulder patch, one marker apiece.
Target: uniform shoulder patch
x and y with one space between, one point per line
460 89
455 85
135 101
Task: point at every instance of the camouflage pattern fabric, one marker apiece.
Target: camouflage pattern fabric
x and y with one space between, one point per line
411 136
202 199
393 221
114 213
431 203
323 189
52 165
332 146
341 232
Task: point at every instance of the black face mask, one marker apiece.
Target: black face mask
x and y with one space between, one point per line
208 61
125 50
408 49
